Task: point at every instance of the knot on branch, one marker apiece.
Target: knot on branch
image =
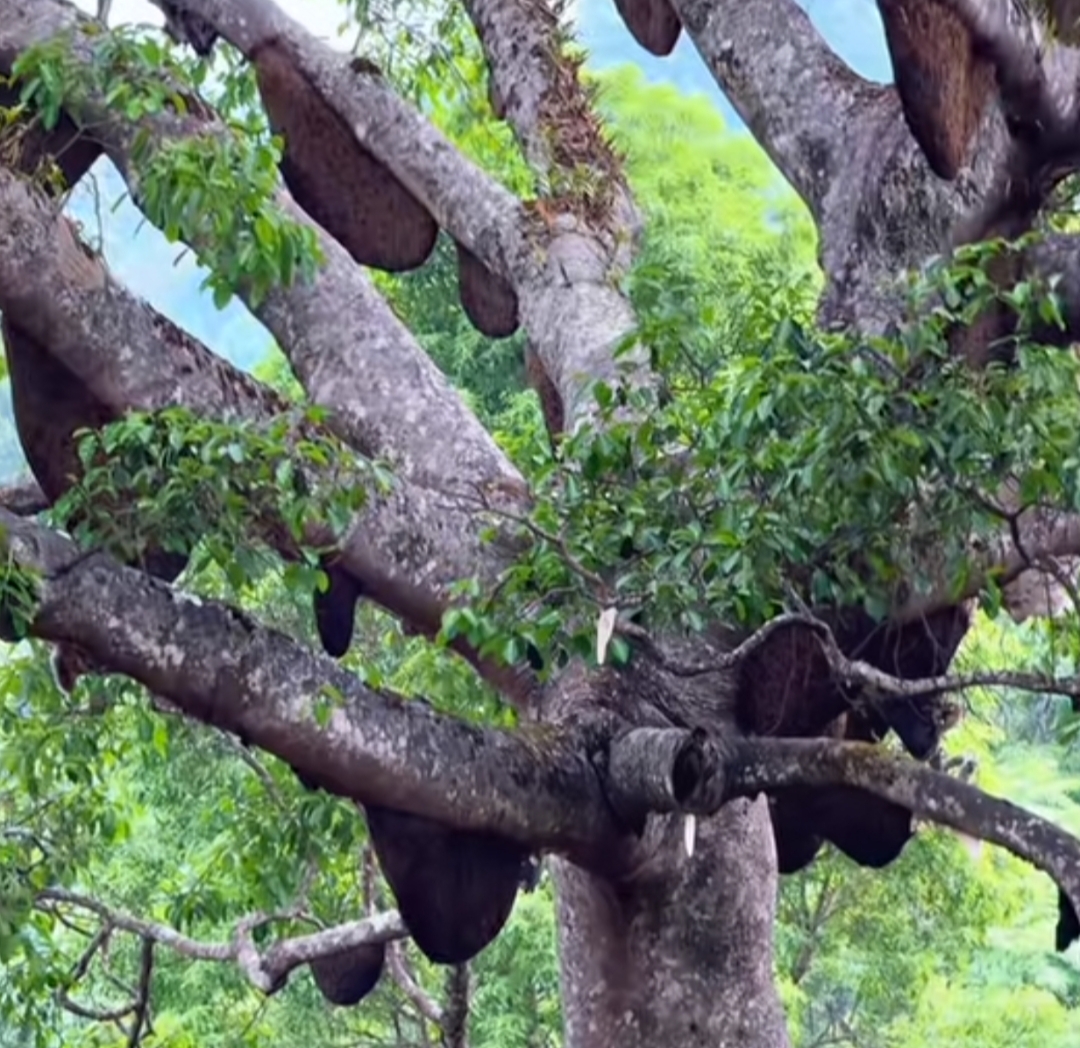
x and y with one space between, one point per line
661 770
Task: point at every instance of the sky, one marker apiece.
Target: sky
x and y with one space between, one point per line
321 17
852 26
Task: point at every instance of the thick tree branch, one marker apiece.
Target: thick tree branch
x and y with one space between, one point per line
464 200
769 764
361 362
407 549
571 309
536 88
569 302
536 786
62 294
796 96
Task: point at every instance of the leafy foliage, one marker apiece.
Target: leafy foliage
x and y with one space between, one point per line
178 482
706 502
213 191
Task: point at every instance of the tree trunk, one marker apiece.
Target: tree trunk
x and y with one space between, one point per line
682 952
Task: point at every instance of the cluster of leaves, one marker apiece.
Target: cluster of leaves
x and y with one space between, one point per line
18 597
215 192
173 481
158 817
56 807
805 468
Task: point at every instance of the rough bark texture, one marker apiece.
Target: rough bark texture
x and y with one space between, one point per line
657 946
681 953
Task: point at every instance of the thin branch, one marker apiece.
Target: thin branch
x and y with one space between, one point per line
857 672
762 764
728 660
411 989
253 762
141 1020
98 1015
456 1022
267 969
169 937
82 966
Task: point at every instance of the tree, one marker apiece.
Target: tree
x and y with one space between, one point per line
703 653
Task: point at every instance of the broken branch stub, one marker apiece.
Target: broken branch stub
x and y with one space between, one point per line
656 770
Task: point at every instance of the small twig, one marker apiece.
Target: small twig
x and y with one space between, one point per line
102 1015
600 587
253 762
82 966
400 972
140 1021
